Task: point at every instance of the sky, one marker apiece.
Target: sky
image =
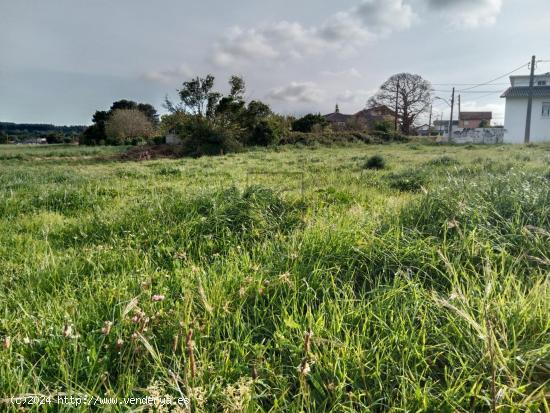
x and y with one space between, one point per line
61 60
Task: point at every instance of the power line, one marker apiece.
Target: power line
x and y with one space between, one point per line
468 92
494 80
468 84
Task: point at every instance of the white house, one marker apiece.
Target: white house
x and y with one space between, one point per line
516 109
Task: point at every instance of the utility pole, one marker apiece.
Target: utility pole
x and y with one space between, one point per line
452 112
459 110
530 101
396 105
430 121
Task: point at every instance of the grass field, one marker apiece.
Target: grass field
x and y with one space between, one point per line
282 280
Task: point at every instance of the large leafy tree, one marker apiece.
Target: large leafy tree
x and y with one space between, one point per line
97 133
197 96
413 96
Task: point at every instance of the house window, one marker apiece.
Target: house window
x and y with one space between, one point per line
546 110
541 83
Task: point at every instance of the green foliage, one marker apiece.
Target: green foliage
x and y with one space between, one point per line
3 138
325 138
96 134
197 96
485 124
443 161
375 162
265 133
202 138
308 122
411 180
93 135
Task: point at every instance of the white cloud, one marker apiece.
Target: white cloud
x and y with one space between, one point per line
356 97
344 74
468 13
345 31
302 92
170 75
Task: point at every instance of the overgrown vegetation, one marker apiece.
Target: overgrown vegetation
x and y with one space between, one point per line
375 162
288 280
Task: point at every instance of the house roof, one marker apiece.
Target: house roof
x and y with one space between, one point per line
476 115
523 92
376 111
444 122
337 117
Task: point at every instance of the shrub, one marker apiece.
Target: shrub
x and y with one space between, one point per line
92 135
307 123
202 138
443 161
265 133
375 162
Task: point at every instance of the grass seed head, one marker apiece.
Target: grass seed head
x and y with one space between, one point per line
106 329
6 343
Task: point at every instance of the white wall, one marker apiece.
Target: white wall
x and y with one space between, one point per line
478 135
514 121
524 80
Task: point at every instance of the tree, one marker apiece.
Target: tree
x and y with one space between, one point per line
306 123
123 104
238 87
147 109
412 93
3 138
230 108
484 124
93 135
197 96
54 137
383 128
126 125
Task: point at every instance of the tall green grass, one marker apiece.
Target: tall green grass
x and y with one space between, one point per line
420 287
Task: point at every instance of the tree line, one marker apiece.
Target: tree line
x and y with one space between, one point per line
210 122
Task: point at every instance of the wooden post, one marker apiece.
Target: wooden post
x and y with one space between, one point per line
452 113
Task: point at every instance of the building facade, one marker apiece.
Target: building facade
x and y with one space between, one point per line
364 119
516 109
473 120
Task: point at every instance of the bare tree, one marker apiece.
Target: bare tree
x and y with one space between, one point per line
410 93
126 124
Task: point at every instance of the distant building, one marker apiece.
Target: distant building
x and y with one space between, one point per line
516 109
364 119
442 126
337 118
472 120
423 130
